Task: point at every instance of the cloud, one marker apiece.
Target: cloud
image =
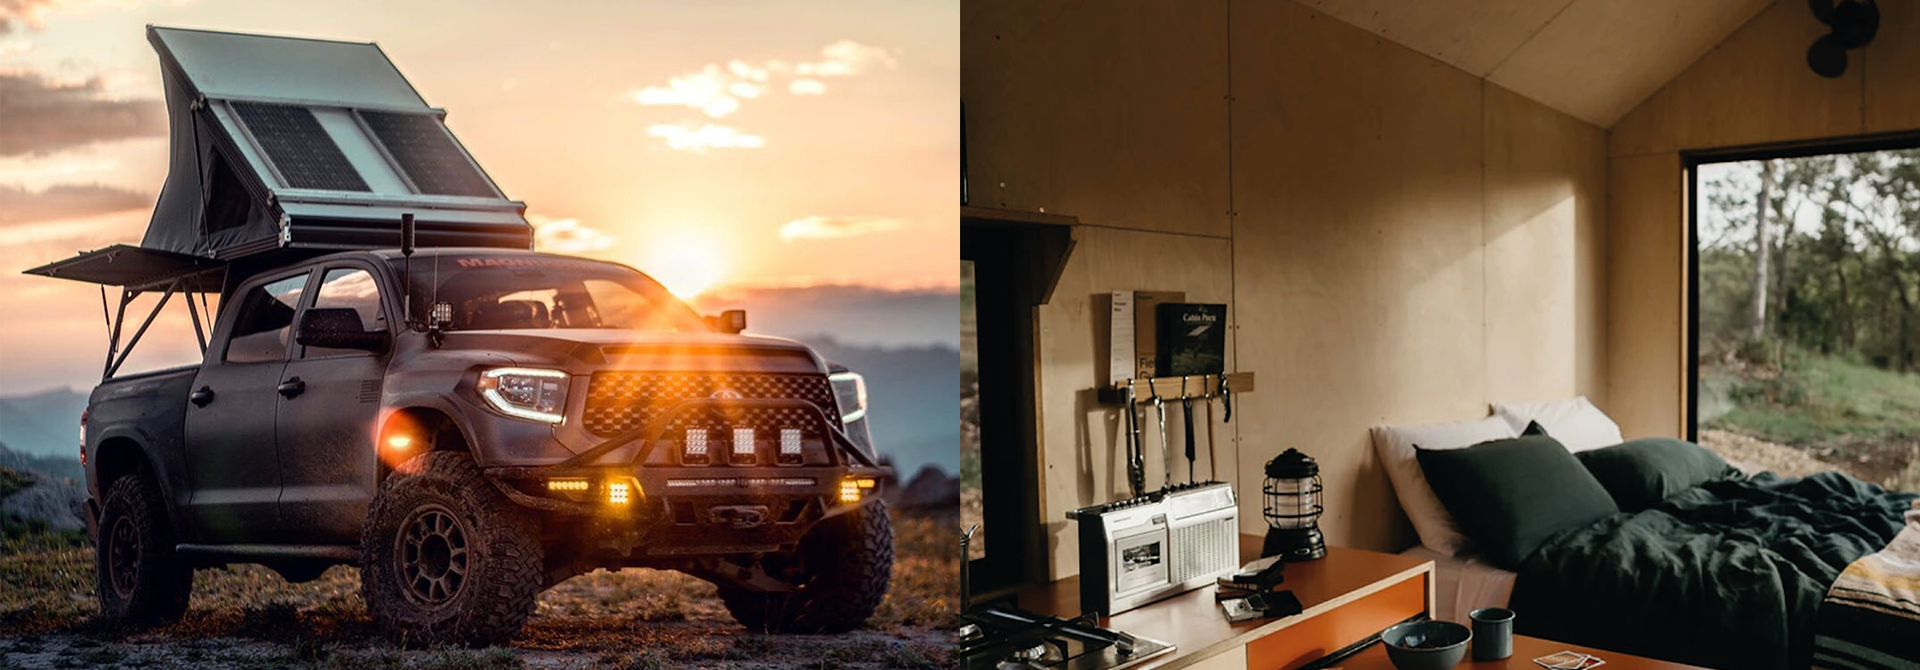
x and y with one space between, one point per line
66 202
708 136
705 90
836 227
847 58
44 116
16 14
718 91
568 236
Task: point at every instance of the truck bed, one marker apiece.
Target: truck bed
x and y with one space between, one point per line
150 408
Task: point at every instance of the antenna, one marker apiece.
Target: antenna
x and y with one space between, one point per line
406 266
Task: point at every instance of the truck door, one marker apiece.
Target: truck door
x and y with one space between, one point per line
231 456
327 426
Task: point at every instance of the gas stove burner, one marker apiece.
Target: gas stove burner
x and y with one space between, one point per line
1033 653
1005 638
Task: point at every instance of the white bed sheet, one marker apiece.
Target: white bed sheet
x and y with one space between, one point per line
1463 584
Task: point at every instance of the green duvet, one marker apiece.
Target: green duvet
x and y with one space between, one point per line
1728 574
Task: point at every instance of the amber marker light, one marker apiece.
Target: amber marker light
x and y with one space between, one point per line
619 493
854 488
400 442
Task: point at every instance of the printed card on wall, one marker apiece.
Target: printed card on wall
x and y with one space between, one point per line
1193 338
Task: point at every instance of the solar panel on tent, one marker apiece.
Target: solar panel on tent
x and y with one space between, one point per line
422 147
299 147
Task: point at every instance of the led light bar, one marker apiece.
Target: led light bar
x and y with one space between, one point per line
740 481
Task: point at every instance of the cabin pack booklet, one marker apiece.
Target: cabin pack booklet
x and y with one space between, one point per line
1192 338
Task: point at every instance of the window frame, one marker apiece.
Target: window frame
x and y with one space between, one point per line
307 302
232 320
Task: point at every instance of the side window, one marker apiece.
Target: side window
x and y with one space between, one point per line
260 333
350 288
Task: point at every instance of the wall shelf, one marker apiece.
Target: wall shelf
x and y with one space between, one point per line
1198 386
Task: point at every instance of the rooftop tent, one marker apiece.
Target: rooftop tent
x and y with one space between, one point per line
285 143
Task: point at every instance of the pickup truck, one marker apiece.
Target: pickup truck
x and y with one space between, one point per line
470 426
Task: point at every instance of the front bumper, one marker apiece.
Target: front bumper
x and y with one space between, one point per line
680 511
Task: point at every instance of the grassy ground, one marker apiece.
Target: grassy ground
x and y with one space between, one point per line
248 617
1863 420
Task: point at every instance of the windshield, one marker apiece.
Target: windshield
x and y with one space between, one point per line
539 292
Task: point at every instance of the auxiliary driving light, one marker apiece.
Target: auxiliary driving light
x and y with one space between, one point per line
743 447
568 485
790 446
854 488
618 493
696 447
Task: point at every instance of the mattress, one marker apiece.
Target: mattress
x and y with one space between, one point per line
1463 584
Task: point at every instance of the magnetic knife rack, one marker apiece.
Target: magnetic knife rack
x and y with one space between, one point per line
1196 387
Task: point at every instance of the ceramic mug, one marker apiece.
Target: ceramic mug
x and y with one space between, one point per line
1492 633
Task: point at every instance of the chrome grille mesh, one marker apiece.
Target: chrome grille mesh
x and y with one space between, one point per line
622 401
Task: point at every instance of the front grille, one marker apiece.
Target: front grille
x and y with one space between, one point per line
621 401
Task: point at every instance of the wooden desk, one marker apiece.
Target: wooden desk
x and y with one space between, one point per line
1525 649
1371 590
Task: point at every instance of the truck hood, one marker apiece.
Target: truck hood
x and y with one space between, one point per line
582 350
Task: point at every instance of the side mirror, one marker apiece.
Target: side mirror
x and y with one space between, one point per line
731 322
338 328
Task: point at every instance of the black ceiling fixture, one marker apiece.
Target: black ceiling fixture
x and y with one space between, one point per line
1854 24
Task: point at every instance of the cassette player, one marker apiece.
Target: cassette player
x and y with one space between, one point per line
1140 550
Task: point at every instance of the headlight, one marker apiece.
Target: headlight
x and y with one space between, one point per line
850 389
527 393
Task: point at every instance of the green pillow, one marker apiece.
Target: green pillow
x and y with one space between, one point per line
1511 495
1641 473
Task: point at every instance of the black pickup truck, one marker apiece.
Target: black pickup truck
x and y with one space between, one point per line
554 415
394 379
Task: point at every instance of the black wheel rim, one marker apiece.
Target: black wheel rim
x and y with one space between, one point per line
123 556
432 556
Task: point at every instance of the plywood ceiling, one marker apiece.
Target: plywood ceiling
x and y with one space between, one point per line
1593 59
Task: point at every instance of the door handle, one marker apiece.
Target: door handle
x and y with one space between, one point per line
292 387
202 397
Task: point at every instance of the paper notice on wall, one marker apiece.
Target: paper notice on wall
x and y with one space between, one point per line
1120 362
1146 346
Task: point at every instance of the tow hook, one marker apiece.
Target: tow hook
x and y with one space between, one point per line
740 517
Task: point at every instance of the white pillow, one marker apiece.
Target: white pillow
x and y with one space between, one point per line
1573 422
1395 445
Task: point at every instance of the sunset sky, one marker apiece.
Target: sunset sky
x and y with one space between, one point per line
723 145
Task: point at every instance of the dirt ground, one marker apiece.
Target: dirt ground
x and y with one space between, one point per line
1893 465
247 617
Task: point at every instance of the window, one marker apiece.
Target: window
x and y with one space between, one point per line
351 288
522 292
1807 324
266 317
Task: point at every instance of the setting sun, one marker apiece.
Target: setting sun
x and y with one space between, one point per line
685 265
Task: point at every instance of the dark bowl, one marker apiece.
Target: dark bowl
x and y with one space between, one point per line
1426 645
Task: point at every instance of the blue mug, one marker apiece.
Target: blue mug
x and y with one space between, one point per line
1492 633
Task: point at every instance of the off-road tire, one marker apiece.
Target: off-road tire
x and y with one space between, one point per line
141 581
848 561
502 556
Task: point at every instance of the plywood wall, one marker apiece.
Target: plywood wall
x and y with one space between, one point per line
1753 89
1399 241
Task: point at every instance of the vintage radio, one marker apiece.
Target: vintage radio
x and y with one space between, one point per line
1137 551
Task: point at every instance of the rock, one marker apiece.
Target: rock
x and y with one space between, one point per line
929 488
55 501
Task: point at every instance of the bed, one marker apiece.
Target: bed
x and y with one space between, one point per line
1462 584
1688 559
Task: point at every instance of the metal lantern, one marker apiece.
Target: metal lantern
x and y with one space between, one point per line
1292 493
